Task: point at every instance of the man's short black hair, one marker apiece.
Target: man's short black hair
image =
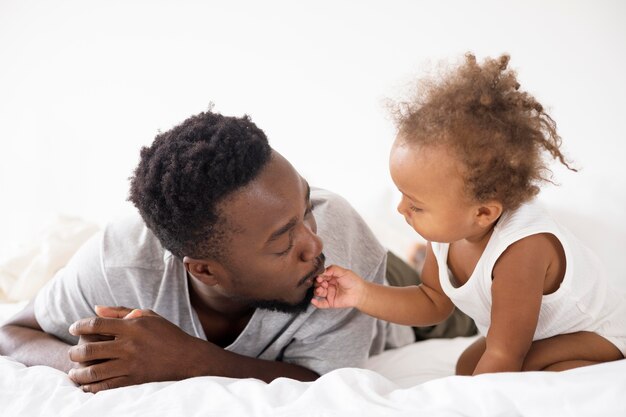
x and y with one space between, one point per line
187 171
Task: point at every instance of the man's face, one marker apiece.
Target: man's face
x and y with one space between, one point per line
274 252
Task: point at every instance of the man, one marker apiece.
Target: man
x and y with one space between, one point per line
217 272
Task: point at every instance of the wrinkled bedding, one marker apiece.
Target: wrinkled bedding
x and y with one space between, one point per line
414 380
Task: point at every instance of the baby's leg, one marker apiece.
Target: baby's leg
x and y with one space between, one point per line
558 353
469 358
568 351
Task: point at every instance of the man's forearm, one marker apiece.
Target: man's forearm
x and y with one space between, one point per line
234 365
34 347
149 348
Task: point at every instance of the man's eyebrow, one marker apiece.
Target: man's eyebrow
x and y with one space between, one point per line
292 222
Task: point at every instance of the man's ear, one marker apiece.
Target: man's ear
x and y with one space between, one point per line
202 270
488 213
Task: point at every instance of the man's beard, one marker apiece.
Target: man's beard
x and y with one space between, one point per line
299 307
283 307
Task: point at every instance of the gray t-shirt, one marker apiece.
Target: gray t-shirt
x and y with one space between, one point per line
125 265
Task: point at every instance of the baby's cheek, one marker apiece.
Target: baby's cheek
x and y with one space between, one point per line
415 225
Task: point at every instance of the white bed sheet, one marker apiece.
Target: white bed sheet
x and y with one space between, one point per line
413 380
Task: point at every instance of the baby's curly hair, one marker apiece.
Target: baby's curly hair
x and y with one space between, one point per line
499 132
185 174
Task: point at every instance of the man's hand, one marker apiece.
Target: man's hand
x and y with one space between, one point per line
338 288
120 312
110 312
141 347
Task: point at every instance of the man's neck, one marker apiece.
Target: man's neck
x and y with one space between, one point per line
203 297
222 319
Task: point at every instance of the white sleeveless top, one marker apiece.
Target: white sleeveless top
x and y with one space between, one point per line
584 300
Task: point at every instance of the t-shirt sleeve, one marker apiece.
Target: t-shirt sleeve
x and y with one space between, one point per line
73 292
332 339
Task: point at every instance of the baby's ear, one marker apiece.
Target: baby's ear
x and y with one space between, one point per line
488 213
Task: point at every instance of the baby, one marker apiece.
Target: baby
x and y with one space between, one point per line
468 158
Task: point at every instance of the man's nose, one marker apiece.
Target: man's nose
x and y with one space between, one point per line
312 245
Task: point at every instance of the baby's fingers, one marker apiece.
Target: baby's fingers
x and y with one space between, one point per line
322 281
334 271
321 292
331 292
327 275
320 302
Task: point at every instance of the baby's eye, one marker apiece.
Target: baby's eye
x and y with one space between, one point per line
415 209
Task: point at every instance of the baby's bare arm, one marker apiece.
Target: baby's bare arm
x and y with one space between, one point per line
416 305
517 289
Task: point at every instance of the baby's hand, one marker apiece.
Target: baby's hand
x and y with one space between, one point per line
338 288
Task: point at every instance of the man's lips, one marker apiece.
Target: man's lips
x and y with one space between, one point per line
320 268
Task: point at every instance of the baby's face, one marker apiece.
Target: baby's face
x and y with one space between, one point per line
434 201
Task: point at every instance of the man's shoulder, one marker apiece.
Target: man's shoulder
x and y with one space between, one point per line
331 208
127 242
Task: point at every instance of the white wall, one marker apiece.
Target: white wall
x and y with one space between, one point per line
84 84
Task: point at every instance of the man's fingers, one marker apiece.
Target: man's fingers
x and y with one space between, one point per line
107 326
94 351
90 338
134 314
121 381
97 373
117 312
97 325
